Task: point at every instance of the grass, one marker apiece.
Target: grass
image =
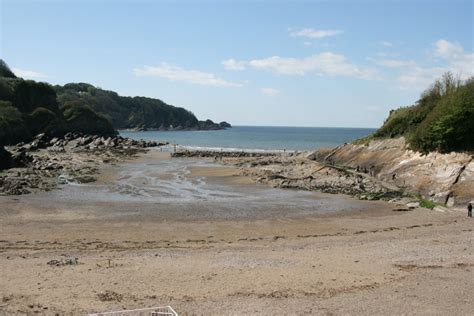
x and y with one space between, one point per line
426 203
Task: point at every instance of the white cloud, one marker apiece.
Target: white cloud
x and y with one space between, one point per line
28 73
323 64
312 33
395 63
175 73
269 91
448 50
307 43
460 62
455 59
386 43
419 77
232 64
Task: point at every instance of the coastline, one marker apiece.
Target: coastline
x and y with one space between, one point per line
264 257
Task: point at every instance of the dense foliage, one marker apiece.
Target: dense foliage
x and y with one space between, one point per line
130 112
28 108
442 120
81 118
5 71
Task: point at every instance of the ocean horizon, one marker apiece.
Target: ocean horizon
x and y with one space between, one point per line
257 138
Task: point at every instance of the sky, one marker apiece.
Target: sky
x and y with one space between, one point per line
275 63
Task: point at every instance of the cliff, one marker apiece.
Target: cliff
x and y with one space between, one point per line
140 113
444 178
29 108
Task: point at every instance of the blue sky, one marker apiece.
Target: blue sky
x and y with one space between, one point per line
289 63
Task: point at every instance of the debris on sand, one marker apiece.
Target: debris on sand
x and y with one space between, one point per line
64 262
109 296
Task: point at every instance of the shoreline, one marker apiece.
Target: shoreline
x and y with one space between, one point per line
199 234
91 257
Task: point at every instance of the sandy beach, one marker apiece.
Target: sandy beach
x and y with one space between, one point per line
202 238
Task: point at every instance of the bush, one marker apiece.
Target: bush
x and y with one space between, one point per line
81 118
12 126
442 120
450 125
425 202
42 120
28 95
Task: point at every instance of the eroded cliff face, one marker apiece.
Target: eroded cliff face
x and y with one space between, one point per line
443 178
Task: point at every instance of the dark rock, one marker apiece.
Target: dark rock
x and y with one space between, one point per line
53 141
109 296
85 179
224 124
5 158
221 154
21 159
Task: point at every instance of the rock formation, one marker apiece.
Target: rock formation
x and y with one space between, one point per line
444 178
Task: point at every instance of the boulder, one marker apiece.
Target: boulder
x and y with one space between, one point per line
413 205
21 159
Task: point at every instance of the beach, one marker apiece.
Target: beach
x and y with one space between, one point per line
206 239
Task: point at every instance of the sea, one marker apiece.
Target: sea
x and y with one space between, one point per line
254 138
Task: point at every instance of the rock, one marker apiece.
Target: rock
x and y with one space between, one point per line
440 209
224 124
450 201
85 179
53 141
5 159
34 145
40 141
41 136
109 296
402 209
52 166
435 175
21 159
63 262
413 205
221 154
44 170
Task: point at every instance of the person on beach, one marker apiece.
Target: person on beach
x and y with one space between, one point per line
469 210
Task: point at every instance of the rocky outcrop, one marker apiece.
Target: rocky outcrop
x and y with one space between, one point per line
219 154
382 169
224 124
443 178
44 163
298 172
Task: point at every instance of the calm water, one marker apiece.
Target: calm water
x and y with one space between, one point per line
257 137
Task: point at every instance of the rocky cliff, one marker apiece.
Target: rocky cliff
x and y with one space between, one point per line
443 178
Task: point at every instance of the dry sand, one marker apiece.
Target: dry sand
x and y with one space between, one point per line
368 260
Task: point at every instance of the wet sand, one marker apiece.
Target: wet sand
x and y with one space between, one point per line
201 238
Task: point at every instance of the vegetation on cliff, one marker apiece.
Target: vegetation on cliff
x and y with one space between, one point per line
441 120
131 112
28 108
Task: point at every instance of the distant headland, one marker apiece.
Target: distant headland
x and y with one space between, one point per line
29 108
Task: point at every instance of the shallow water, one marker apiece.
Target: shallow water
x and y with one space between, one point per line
165 188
